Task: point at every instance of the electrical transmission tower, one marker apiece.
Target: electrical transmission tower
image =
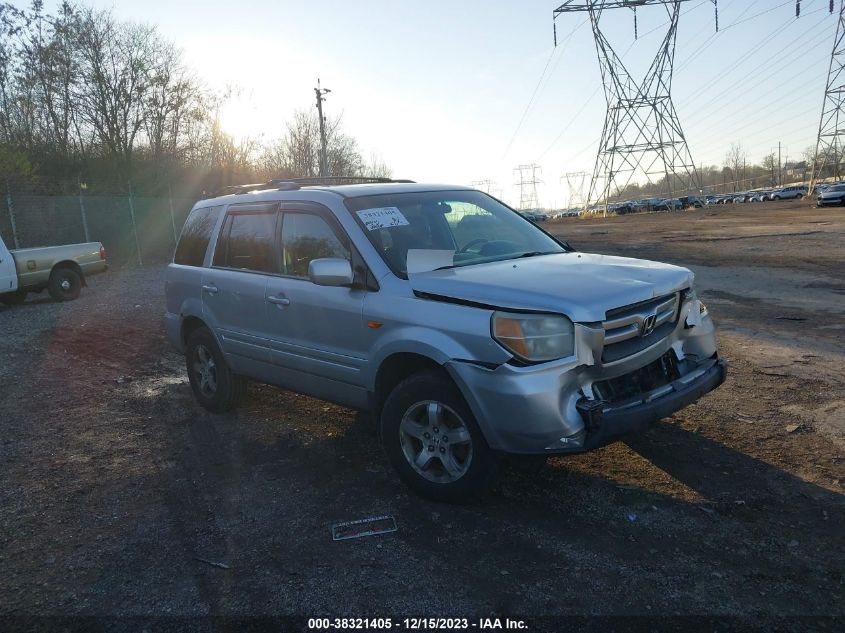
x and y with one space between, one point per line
484 185
528 186
829 144
642 135
576 180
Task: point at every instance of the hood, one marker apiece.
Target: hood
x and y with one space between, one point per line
582 286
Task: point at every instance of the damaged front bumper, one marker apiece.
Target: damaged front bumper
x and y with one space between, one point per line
580 403
605 423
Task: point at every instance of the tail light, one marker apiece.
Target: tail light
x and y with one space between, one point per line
102 252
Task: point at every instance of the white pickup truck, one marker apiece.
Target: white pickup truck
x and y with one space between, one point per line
61 270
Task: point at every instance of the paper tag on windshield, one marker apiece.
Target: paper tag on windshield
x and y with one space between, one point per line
423 260
382 218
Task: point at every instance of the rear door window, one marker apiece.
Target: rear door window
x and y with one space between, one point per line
196 234
247 240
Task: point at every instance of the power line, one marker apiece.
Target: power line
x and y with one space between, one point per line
769 61
537 87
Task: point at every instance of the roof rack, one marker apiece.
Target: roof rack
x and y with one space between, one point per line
291 184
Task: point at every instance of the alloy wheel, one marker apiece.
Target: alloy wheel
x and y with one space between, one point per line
435 441
206 371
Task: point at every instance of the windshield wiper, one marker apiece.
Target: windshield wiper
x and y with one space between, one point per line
535 254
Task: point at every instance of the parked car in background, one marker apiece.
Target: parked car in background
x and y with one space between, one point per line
649 204
758 196
534 216
464 346
61 270
623 208
669 204
832 196
789 193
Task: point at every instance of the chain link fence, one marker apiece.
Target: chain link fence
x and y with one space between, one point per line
135 230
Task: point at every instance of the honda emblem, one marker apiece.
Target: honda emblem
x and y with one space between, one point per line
648 325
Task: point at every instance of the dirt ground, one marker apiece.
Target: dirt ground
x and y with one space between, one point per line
117 491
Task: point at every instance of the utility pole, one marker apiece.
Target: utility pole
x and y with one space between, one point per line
780 169
324 157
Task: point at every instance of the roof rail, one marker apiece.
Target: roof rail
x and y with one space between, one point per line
291 184
314 181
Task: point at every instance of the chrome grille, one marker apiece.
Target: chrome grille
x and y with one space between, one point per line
632 328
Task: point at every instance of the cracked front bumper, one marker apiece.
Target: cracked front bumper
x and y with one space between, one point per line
551 408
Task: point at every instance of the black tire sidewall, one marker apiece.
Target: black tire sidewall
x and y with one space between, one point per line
436 385
55 284
230 387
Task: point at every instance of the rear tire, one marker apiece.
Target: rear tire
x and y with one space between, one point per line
433 441
216 387
64 285
13 298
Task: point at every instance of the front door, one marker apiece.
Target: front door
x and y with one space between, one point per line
317 332
234 288
8 272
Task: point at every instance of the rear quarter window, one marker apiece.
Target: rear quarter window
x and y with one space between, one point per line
196 234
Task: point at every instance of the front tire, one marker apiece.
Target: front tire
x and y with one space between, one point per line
216 387
433 441
65 285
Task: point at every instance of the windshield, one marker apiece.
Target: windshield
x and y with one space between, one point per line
472 224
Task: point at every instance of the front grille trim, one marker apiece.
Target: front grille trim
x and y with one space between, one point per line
623 326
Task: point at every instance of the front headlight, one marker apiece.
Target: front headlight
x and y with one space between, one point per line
534 337
692 295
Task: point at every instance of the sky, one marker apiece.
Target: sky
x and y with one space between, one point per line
456 92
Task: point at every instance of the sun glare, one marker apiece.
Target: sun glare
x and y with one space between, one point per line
241 118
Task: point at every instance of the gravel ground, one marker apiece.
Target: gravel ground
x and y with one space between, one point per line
117 490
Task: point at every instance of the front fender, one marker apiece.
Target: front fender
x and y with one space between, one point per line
441 347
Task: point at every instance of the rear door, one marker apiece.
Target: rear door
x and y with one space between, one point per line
233 288
316 331
8 273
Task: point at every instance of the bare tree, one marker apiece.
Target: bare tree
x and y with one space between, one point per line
172 97
770 164
735 161
83 92
377 168
118 61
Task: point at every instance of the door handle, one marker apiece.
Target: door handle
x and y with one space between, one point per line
279 301
210 289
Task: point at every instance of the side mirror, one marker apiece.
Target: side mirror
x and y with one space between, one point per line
330 271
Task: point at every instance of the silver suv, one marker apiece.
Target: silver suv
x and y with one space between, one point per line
466 330
788 193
